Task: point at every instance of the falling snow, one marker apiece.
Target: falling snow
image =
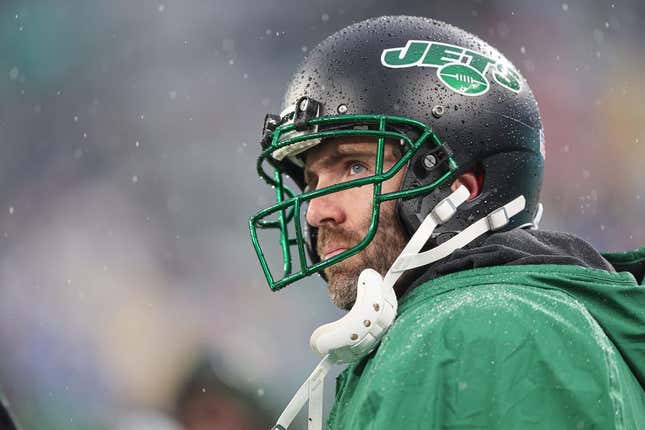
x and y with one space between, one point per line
175 111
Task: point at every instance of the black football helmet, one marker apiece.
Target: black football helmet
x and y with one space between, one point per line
454 102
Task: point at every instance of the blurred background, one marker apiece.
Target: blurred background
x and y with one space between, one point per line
130 297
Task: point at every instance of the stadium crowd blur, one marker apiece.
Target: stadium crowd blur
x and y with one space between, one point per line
128 138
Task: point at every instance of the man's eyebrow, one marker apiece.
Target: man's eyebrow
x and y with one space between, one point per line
342 152
352 150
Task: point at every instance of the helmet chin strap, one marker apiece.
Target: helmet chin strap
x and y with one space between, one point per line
359 332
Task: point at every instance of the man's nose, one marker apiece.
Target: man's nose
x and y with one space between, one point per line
326 209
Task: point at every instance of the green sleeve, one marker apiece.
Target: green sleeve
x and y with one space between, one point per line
491 357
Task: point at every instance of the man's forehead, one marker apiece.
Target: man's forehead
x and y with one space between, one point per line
333 148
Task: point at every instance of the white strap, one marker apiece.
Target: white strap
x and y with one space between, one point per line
316 384
442 212
493 221
311 389
538 215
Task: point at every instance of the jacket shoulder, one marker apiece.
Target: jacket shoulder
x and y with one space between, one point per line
504 315
495 356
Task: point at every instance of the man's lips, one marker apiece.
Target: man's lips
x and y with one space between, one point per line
331 251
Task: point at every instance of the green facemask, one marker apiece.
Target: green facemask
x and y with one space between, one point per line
285 215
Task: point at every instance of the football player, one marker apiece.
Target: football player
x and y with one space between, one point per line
407 163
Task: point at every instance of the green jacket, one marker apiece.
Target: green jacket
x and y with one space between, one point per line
507 347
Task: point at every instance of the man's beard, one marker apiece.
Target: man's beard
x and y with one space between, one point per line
380 253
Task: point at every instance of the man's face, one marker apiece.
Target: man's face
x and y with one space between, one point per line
343 218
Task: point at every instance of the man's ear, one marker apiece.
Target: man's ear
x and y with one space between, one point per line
472 181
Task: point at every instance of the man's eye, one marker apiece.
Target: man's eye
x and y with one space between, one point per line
356 168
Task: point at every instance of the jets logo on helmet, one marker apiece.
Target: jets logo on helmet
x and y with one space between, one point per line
462 70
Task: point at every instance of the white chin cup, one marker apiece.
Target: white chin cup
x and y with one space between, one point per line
360 330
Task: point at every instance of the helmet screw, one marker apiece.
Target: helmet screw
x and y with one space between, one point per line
437 111
367 323
342 108
271 123
429 161
354 336
376 307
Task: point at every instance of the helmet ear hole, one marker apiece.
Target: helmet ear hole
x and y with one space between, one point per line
473 179
480 175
